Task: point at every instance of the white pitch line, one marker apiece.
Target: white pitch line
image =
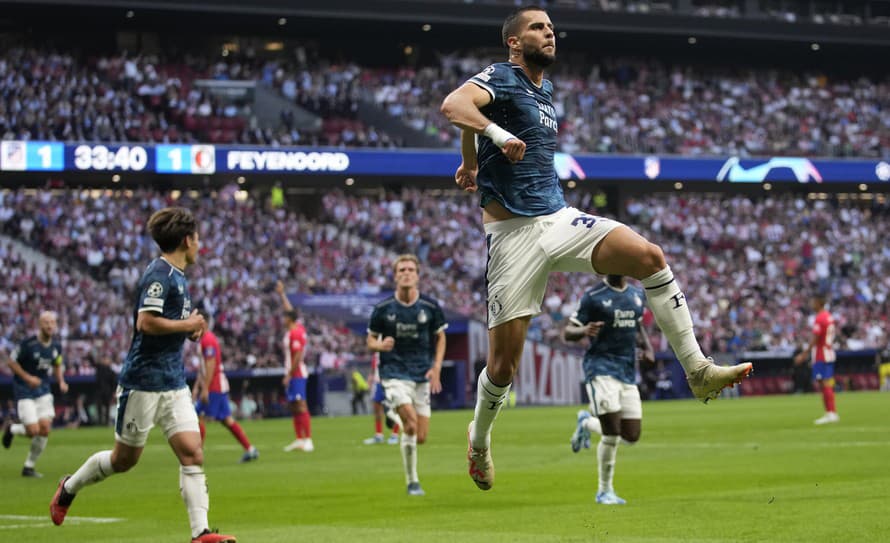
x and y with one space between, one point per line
90 520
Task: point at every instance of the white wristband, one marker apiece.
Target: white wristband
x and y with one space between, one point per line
498 135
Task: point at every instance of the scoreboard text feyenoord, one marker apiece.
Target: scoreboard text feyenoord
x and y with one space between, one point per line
202 159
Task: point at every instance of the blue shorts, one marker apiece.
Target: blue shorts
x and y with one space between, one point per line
217 406
823 370
296 389
379 393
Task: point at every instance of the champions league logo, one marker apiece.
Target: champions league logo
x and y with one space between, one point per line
802 169
155 290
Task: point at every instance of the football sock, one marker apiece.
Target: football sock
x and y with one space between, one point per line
298 426
307 424
668 304
193 487
203 429
593 425
18 429
409 457
395 418
605 456
238 432
489 400
828 398
94 470
378 427
38 443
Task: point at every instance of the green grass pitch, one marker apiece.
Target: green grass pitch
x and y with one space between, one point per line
754 469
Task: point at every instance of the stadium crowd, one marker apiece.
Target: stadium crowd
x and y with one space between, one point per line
748 266
244 251
627 105
617 105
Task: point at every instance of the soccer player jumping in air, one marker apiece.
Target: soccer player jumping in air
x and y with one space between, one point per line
508 141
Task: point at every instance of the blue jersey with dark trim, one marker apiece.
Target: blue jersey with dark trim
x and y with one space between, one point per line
154 363
613 351
414 327
530 187
38 360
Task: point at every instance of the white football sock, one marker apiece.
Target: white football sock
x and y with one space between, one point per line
593 425
409 457
193 487
489 400
605 456
94 470
392 415
668 304
18 429
38 443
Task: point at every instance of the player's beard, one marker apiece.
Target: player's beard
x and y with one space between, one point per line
537 57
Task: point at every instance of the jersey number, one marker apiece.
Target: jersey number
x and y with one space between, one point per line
586 220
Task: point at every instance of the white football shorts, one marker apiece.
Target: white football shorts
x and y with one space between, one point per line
140 410
609 395
401 392
32 410
523 251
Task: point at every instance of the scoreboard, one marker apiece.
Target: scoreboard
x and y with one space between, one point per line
205 159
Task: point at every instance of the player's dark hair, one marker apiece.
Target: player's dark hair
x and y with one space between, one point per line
292 314
512 22
169 226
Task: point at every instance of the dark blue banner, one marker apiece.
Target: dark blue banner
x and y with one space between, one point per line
36 156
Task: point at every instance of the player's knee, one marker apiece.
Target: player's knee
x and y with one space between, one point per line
421 438
650 259
44 432
501 367
192 458
631 436
122 464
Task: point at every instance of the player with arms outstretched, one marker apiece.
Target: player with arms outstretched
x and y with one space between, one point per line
821 351
609 317
211 392
408 330
508 143
31 363
152 388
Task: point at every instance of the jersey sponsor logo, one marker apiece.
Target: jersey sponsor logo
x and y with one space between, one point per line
547 116
407 331
624 318
155 290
